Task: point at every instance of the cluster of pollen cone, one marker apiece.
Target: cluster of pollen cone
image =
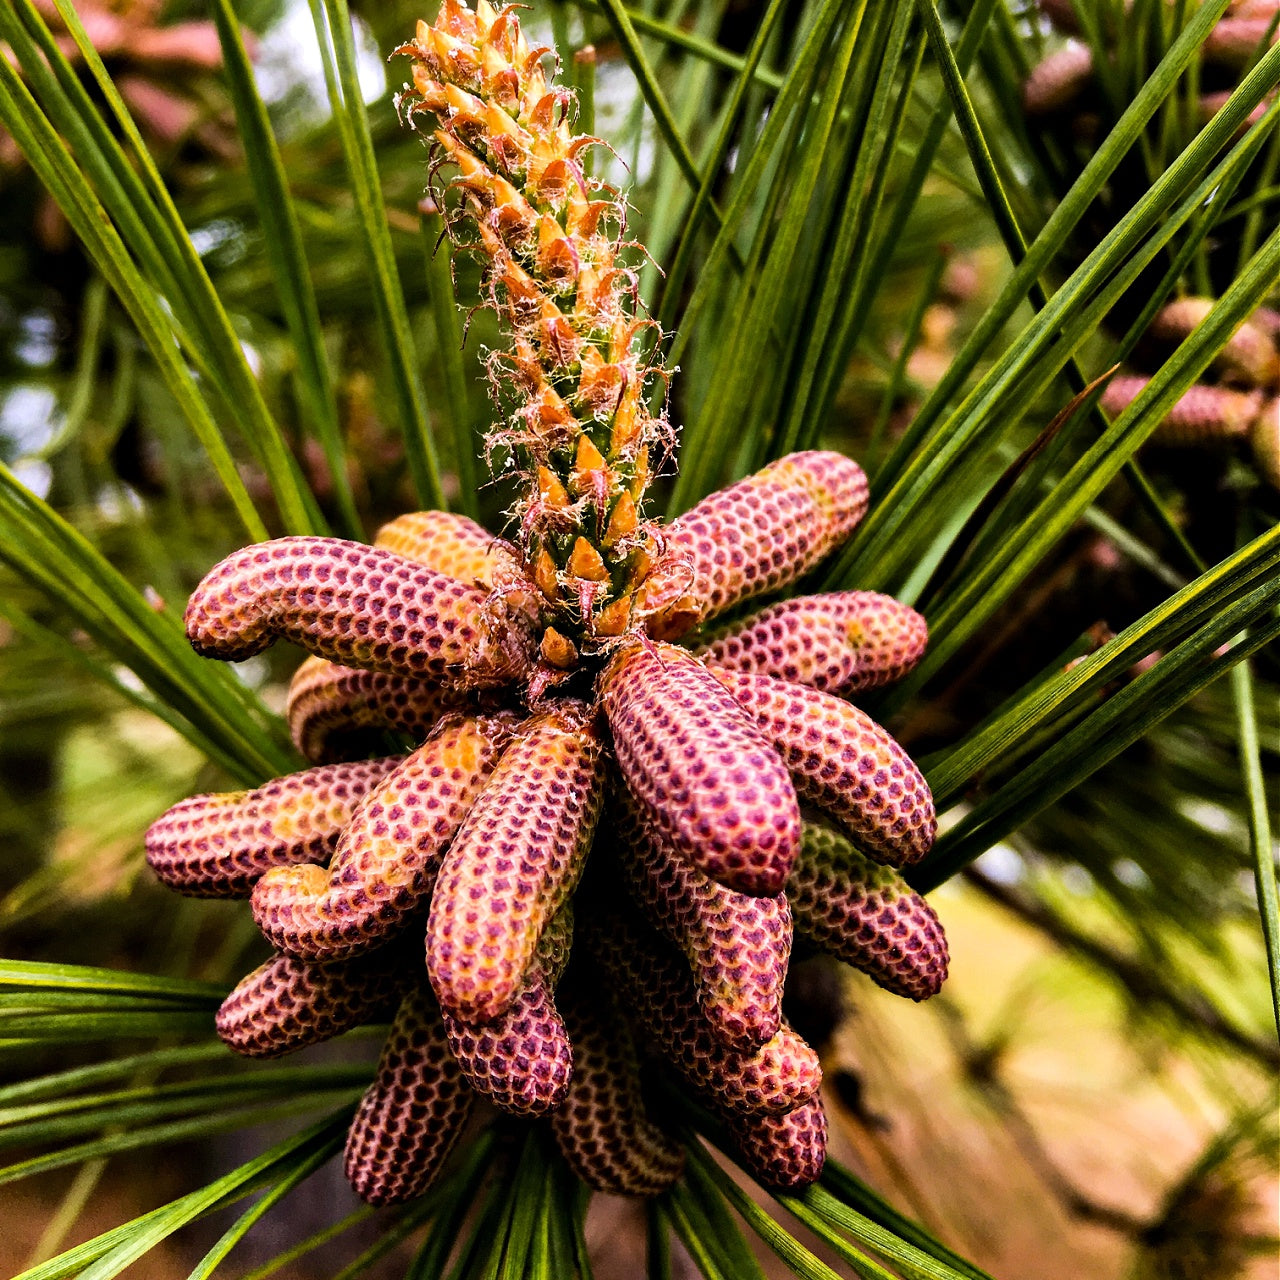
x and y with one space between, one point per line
1237 402
622 812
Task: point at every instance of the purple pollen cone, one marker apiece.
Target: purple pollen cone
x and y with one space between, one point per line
535 675
356 605
219 846
388 856
700 769
737 945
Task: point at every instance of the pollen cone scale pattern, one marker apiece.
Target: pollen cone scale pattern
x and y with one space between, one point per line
601 1128
514 863
329 704
356 605
387 857
413 1113
737 945
755 536
219 846
866 915
523 1059
700 769
561 739
288 1004
768 1079
842 642
784 1153
845 764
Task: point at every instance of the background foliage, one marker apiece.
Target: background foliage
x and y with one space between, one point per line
857 240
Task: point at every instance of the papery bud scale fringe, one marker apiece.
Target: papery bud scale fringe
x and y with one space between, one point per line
601 1127
218 846
515 862
866 915
413 1113
386 861
737 945
575 384
655 988
845 764
841 643
699 767
288 1004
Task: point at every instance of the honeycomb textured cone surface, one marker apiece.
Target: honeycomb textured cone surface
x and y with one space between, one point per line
1202 413
515 862
387 858
737 945
1249 356
220 845
841 643
783 1153
328 703
412 1115
845 764
601 1128
757 535
700 768
356 605
483 651
287 1004
655 988
866 915
450 544
522 1060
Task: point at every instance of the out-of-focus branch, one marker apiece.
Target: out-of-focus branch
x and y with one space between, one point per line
1139 981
